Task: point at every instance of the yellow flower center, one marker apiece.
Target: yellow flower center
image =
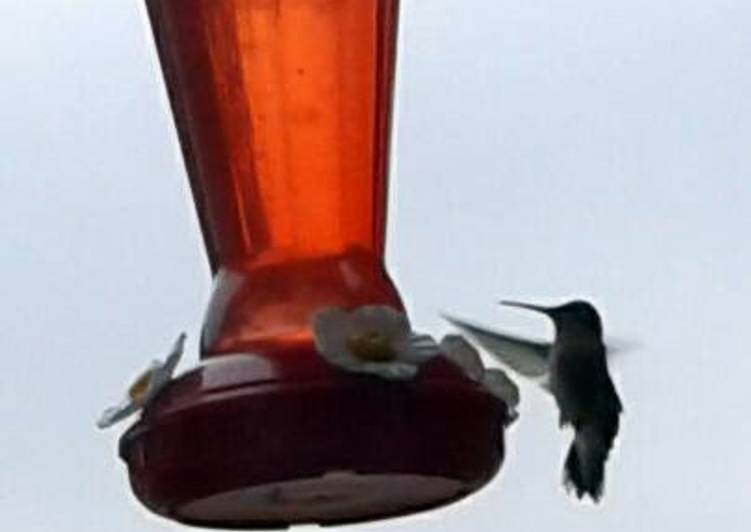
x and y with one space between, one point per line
371 346
137 391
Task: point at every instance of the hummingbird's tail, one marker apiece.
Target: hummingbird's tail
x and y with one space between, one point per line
584 470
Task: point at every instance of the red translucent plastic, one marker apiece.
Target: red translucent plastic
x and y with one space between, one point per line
283 110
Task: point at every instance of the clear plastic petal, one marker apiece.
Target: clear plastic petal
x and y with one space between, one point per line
162 373
459 351
117 413
331 328
498 383
420 348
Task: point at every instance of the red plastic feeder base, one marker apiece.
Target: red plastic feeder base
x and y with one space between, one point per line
248 442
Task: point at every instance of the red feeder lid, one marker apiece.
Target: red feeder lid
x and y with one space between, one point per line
246 442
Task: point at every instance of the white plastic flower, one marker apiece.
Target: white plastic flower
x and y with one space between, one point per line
373 339
464 355
145 387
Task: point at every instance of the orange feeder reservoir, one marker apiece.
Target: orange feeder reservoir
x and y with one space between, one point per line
283 109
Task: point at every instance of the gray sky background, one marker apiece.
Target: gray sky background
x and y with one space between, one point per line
543 149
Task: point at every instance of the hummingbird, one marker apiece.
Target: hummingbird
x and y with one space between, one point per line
573 368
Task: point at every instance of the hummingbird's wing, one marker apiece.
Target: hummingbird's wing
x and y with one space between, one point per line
527 357
617 345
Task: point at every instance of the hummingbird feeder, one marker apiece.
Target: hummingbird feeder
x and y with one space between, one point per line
283 110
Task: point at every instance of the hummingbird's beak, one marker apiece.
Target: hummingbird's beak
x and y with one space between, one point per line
536 308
